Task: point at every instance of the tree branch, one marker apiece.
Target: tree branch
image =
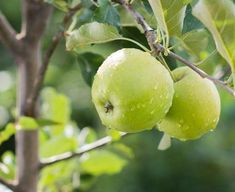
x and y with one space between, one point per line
35 16
158 48
8 34
8 184
32 27
83 149
203 74
55 41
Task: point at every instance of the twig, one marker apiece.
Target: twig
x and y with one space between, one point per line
8 34
71 13
84 149
55 41
221 74
157 47
203 74
9 185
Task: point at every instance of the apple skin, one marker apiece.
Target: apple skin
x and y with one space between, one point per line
195 109
132 91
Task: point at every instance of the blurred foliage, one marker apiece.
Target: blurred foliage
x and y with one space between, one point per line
69 120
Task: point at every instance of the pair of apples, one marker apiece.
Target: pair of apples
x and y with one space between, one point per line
133 92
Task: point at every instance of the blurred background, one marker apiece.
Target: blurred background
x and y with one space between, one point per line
206 164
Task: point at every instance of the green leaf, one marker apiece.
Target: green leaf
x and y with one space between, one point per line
219 18
201 50
60 175
107 13
123 150
46 122
170 15
101 162
87 3
55 107
84 16
116 135
28 123
59 4
126 19
3 170
8 166
195 41
57 145
67 140
159 14
91 33
89 64
87 135
7 132
190 22
147 6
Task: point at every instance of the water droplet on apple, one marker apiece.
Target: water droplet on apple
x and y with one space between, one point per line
214 120
179 125
207 122
152 112
181 121
211 130
167 96
186 127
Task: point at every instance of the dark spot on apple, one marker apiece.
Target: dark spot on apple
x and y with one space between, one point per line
108 107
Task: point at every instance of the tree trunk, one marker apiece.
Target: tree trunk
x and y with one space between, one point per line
27 141
35 15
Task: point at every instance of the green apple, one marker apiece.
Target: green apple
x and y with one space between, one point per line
132 91
195 109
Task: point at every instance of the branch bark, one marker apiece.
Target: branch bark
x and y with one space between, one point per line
27 141
8 35
27 51
158 48
84 149
35 16
55 41
34 22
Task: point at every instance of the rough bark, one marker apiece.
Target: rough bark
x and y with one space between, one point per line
27 141
35 15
